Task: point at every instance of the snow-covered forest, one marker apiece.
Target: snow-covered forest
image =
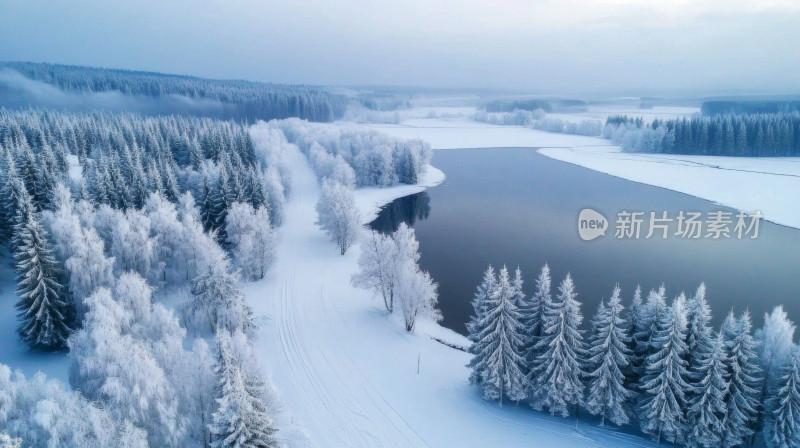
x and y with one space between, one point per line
538 119
240 100
110 217
750 135
654 364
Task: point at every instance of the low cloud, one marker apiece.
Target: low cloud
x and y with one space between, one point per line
18 91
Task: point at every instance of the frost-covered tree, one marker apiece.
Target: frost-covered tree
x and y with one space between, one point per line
377 267
665 384
41 412
560 366
111 364
132 245
338 215
416 295
646 326
45 314
497 362
241 419
607 360
88 267
741 401
217 301
783 424
775 347
532 314
485 291
699 334
634 320
707 406
250 233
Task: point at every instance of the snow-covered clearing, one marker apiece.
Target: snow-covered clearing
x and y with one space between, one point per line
459 133
745 183
350 376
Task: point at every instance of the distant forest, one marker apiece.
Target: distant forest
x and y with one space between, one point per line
240 100
532 105
748 107
751 135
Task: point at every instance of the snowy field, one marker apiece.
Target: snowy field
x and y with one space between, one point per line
349 376
766 184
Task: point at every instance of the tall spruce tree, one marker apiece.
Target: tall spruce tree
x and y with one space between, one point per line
241 419
497 363
783 426
742 405
665 383
45 314
560 366
532 314
607 360
707 409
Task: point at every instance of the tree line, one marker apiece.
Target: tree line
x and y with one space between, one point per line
357 156
751 135
244 100
659 365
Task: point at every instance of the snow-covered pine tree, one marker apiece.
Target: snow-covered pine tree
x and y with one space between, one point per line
607 360
633 321
707 408
532 315
241 420
497 363
783 424
775 347
45 314
699 334
742 405
560 366
516 286
665 383
646 328
480 301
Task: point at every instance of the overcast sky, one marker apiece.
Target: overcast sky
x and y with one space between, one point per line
544 46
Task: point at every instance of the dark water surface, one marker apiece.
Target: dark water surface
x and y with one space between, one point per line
516 207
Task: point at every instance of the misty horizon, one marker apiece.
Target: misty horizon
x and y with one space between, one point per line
607 47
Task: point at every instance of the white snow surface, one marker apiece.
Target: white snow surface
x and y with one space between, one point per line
348 373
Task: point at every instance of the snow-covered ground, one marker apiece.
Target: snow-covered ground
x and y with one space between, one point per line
350 376
767 184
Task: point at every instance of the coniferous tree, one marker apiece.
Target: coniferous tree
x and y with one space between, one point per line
783 426
560 366
741 403
45 314
607 360
665 383
532 315
241 419
699 334
708 409
633 321
497 363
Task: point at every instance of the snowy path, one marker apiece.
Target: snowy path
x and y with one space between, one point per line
347 373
